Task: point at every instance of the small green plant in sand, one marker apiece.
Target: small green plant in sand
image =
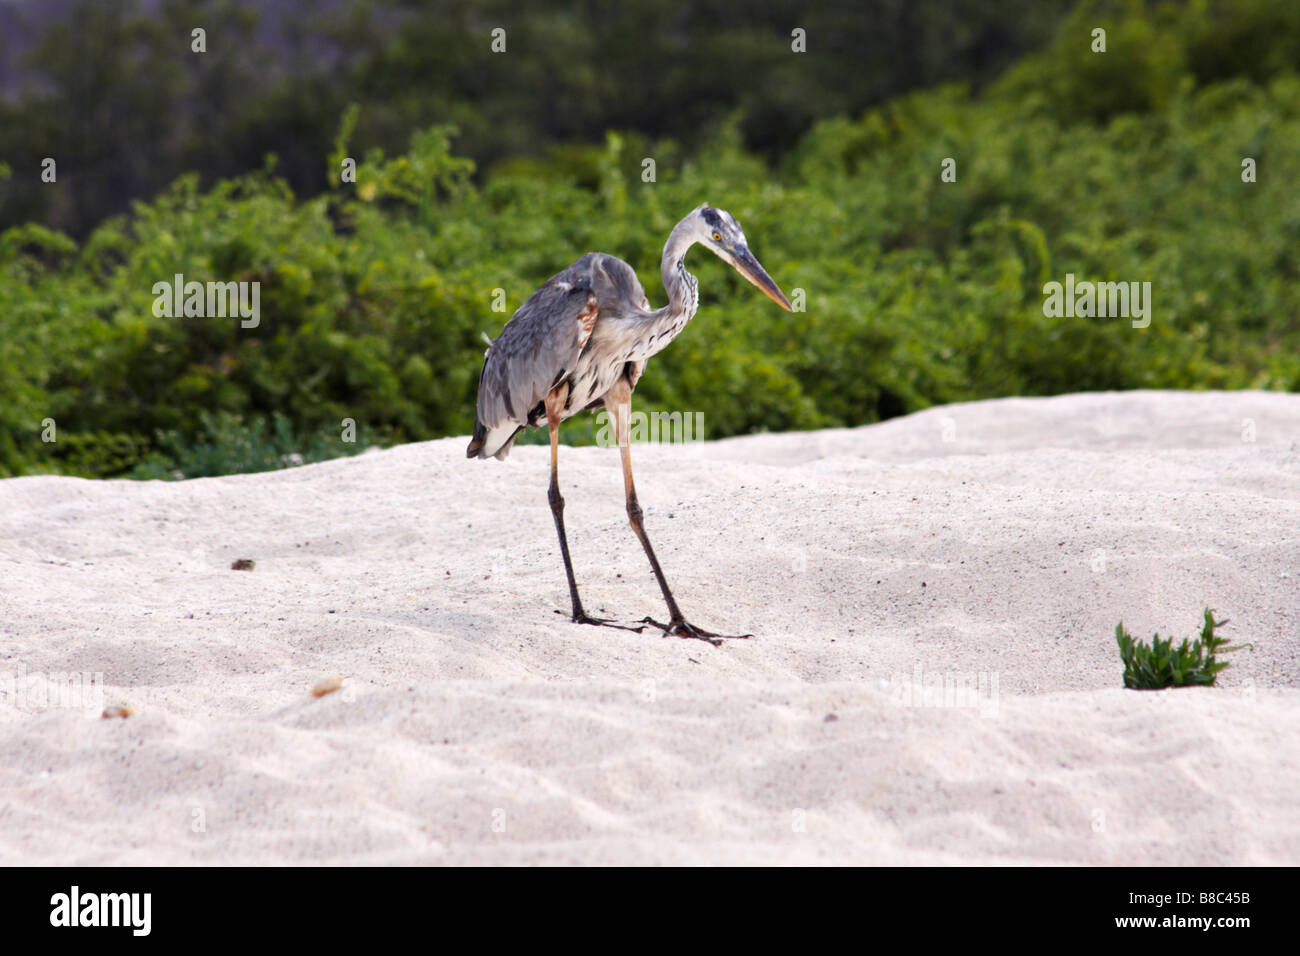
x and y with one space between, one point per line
1160 664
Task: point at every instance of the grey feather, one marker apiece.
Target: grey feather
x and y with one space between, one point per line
541 340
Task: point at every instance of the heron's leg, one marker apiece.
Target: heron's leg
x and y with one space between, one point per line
619 403
554 407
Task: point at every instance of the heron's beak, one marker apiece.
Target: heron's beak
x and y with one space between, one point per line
748 266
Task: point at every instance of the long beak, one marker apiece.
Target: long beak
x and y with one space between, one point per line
748 267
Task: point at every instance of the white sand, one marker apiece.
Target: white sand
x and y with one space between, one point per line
477 726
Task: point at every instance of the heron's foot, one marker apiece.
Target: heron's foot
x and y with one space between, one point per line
582 617
681 628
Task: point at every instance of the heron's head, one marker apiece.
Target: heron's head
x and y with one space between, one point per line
718 231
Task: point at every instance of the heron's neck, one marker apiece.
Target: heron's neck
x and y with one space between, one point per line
654 330
681 286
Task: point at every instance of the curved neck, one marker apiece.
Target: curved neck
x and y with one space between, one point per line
678 283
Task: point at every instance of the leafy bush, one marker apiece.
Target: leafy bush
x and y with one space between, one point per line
229 445
113 92
1160 664
375 296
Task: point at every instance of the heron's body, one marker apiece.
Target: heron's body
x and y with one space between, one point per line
582 340
586 327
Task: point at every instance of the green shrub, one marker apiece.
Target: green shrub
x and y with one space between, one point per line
230 445
376 295
1160 664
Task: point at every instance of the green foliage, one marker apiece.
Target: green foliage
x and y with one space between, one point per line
1160 664
113 91
229 445
375 295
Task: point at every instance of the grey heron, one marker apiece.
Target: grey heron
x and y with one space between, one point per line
581 341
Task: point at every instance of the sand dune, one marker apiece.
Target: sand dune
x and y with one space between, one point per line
995 542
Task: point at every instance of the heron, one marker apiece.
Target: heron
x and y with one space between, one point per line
580 342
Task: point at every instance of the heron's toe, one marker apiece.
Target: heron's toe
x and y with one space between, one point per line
683 628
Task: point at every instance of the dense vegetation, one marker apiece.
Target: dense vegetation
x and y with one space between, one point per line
1121 166
116 93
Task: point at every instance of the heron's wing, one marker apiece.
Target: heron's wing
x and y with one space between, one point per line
537 348
615 284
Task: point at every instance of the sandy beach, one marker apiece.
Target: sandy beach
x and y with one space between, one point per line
990 546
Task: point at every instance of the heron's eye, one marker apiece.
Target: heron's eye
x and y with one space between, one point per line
717 237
